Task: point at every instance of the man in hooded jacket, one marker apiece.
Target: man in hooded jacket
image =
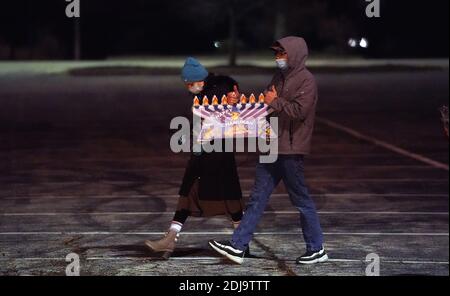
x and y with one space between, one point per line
293 96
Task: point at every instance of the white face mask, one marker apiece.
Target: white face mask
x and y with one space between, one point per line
282 64
196 89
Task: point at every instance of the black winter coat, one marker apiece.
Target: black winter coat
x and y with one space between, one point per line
216 172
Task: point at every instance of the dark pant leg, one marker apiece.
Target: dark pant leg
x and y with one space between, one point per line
294 180
267 178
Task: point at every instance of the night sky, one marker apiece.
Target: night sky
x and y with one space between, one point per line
40 29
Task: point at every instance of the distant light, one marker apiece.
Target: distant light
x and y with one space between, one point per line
364 43
352 42
217 44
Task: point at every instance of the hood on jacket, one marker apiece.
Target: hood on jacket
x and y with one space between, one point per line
297 51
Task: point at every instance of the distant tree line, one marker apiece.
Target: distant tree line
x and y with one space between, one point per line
32 29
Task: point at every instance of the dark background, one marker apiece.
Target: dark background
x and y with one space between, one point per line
32 29
85 162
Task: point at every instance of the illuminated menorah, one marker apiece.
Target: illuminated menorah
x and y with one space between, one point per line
247 108
247 118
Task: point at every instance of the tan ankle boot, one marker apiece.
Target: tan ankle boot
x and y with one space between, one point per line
166 245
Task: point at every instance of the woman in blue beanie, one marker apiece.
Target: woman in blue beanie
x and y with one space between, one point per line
211 183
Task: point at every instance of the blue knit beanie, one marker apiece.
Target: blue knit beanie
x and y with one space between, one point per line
193 71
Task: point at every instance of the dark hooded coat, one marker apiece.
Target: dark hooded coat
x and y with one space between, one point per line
211 180
297 99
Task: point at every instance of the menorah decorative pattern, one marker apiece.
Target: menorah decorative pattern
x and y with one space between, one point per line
246 119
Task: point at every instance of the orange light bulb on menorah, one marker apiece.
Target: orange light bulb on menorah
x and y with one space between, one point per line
224 100
196 102
205 101
243 100
261 99
252 99
215 101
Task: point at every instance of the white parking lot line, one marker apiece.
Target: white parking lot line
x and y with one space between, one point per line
383 144
221 233
266 212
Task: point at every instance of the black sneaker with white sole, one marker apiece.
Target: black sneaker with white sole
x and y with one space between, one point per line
312 257
227 250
